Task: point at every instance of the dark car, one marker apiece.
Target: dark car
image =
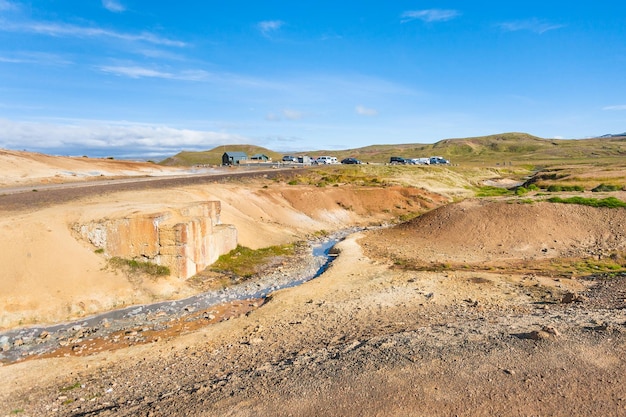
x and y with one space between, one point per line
397 160
350 161
434 160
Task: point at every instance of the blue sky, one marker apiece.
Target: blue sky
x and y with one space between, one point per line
138 78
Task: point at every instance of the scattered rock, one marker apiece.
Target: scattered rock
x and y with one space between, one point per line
546 332
572 297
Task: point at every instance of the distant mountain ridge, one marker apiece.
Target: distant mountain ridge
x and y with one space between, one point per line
613 135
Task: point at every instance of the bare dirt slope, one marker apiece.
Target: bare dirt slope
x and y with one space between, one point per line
484 233
386 331
28 168
50 275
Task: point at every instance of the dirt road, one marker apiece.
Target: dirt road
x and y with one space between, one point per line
44 195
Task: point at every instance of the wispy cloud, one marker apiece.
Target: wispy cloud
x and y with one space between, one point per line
60 29
530 25
9 60
38 58
618 107
366 111
6 5
136 72
113 6
160 54
143 72
288 114
292 114
267 27
111 138
430 15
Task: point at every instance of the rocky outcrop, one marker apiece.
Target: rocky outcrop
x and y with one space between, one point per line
186 240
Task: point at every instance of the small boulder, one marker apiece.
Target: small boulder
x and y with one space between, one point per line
546 332
572 297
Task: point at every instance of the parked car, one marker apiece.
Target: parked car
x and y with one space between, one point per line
396 160
350 161
438 160
290 158
420 161
326 160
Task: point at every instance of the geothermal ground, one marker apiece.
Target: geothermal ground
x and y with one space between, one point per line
460 311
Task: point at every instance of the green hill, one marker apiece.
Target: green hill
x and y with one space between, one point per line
214 156
524 147
516 147
504 147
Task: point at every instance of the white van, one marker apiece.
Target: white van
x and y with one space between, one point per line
326 160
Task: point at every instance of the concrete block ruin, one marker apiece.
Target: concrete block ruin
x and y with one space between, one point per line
186 239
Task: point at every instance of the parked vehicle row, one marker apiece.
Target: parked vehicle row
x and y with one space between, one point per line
433 160
394 160
320 160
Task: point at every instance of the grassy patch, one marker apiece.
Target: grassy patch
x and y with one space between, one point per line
610 202
134 266
321 233
246 262
558 188
560 267
521 191
521 201
606 187
408 216
70 387
489 191
614 263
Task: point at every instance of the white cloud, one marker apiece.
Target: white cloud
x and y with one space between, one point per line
268 26
292 114
113 6
6 5
365 111
288 114
159 54
38 58
107 138
430 15
142 72
531 25
618 107
10 60
136 72
58 29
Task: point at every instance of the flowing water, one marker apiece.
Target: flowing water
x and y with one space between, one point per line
20 343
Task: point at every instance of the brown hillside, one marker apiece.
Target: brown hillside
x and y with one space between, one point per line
479 231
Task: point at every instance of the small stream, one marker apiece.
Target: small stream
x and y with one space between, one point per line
19 343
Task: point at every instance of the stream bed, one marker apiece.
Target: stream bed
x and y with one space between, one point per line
23 343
